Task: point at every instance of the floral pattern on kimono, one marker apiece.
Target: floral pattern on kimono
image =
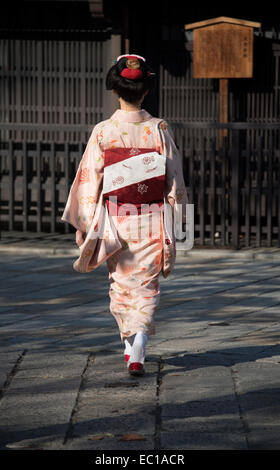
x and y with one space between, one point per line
175 185
87 185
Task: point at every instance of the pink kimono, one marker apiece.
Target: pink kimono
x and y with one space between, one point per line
136 255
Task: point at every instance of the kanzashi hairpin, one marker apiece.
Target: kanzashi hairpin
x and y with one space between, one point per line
131 56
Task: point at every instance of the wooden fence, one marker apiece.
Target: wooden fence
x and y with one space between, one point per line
51 89
235 187
35 181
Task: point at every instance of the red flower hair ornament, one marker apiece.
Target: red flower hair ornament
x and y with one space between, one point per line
132 70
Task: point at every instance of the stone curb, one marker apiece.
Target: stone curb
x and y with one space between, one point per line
27 249
207 253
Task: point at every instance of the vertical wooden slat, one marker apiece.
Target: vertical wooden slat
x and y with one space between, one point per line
99 80
259 191
39 186
166 99
3 84
24 88
25 186
168 95
11 184
66 84
223 106
162 92
18 78
93 81
33 82
269 194
224 191
173 96
181 90
212 190
277 85
82 84
11 84
247 192
67 175
48 74
40 112
29 84
98 96
74 88
191 170
61 80
76 116
278 193
70 88
89 83
235 212
56 87
53 188
47 87
202 191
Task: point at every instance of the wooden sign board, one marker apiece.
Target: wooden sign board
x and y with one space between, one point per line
223 48
223 51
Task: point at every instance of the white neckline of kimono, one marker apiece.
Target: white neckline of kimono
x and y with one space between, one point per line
131 116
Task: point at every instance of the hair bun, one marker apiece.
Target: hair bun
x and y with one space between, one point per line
130 77
132 67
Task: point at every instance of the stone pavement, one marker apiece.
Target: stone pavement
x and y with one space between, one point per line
212 377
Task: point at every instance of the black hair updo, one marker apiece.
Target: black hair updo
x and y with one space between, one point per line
130 77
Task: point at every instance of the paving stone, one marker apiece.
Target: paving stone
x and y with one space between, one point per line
41 396
190 440
258 390
113 404
8 361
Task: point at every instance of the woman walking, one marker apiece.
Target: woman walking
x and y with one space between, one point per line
129 181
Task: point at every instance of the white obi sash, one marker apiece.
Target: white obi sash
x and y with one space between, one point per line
135 176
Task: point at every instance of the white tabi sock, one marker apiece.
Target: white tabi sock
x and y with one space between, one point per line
138 348
128 344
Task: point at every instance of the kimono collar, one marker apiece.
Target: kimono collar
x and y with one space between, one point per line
131 116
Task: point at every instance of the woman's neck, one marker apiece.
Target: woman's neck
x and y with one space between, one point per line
125 106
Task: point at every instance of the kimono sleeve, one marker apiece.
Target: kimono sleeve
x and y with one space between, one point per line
175 188
86 188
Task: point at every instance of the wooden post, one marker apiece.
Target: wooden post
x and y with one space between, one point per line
112 51
223 106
